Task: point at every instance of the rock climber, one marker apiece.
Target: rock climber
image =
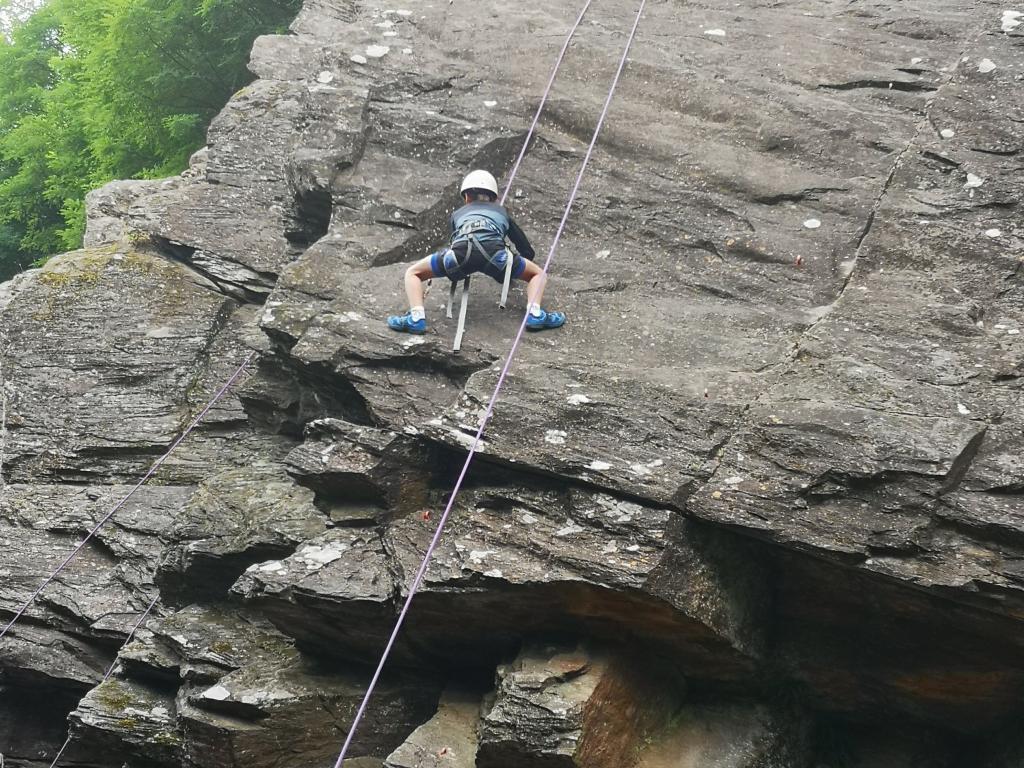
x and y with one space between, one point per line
478 232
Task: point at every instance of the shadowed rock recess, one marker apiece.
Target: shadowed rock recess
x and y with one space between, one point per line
760 504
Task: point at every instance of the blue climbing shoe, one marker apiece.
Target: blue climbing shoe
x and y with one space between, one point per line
544 321
405 324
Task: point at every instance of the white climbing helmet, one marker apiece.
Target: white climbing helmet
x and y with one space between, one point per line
480 180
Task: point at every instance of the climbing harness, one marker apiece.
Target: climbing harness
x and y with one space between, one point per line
152 470
455 274
463 305
418 579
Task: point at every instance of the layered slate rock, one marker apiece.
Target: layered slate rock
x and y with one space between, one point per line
65 638
889 442
731 736
234 519
130 719
66 386
296 715
334 594
520 561
352 466
146 360
222 687
793 281
560 706
608 430
448 740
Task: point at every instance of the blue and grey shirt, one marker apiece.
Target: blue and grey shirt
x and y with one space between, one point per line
490 224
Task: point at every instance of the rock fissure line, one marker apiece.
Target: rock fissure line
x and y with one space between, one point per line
796 345
181 255
925 121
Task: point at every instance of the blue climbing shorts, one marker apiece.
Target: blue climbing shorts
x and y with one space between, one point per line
446 263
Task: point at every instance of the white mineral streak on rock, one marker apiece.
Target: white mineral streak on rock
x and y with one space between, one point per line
217 693
325 77
812 223
993 232
467 440
494 573
528 519
599 466
947 133
322 555
357 58
641 470
973 181
569 530
916 60
1011 20
477 555
715 32
272 567
555 436
578 399
377 51
986 65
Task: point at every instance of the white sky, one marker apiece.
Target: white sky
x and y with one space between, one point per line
11 10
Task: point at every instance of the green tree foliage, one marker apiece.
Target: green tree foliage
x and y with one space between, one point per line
93 90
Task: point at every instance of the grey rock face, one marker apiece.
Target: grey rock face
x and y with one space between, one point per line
774 454
737 736
447 740
235 518
245 696
558 706
517 561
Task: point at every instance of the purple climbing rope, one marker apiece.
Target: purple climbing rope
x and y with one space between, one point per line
418 580
113 664
152 470
543 101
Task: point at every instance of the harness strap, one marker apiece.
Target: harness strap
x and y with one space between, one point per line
463 306
511 251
